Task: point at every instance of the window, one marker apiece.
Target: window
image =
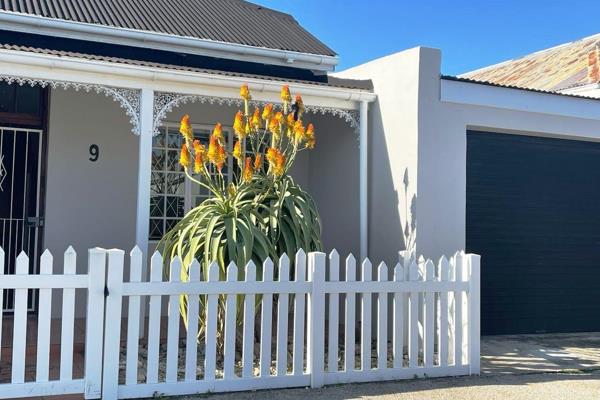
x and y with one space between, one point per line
171 194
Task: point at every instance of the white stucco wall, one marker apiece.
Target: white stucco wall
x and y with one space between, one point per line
412 127
393 143
89 203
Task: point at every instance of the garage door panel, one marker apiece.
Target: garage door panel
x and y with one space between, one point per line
533 213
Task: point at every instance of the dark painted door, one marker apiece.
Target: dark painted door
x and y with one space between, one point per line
533 213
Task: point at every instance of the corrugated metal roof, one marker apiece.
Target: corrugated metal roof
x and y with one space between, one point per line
331 80
558 68
231 21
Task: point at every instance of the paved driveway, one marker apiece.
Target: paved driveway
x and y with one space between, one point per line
523 367
539 353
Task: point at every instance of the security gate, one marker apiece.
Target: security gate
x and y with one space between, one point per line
21 221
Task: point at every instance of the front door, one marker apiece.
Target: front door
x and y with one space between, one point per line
21 165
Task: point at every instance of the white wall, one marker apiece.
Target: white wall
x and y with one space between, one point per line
89 203
393 141
413 127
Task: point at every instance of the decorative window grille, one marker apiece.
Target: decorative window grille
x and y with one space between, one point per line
171 194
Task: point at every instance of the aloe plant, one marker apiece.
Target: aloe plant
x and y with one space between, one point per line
261 213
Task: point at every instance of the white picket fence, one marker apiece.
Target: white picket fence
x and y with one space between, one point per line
298 326
45 282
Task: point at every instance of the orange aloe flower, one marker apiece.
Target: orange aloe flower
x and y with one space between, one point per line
238 124
184 157
237 151
310 136
218 132
290 121
286 97
271 155
256 119
267 112
258 162
185 128
299 106
247 175
198 162
278 170
245 92
299 131
216 153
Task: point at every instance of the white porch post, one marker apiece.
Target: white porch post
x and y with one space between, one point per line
143 192
364 194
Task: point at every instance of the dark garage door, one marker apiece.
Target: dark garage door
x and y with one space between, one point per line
533 213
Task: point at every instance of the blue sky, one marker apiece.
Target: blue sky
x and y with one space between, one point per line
470 33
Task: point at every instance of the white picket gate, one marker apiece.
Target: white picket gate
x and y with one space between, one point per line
298 324
43 384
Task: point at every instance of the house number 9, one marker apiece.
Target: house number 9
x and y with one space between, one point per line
94 152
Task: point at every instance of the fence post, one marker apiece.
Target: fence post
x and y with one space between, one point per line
95 323
316 316
112 331
474 314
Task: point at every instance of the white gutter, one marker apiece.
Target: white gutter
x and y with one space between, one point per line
363 180
162 41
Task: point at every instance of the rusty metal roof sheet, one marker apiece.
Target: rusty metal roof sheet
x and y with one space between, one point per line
558 68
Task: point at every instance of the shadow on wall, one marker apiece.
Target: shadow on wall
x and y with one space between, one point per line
389 204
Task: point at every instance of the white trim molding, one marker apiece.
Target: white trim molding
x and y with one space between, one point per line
165 102
128 99
478 94
163 41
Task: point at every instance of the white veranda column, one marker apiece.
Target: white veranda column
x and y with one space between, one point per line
143 192
364 195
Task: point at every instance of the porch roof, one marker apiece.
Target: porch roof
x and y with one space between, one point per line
330 81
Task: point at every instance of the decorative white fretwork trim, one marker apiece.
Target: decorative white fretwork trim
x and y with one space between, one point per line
128 99
166 102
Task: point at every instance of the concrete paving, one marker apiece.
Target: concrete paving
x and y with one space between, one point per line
523 367
539 353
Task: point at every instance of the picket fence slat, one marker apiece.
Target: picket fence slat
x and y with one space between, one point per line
299 315
429 314
173 325
191 342
382 314
431 309
398 331
68 319
444 333
210 343
248 335
413 342
230 327
20 324
282 317
334 305
133 316
365 319
349 343
44 314
458 303
154 313
266 317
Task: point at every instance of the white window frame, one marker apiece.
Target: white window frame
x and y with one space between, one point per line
188 197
